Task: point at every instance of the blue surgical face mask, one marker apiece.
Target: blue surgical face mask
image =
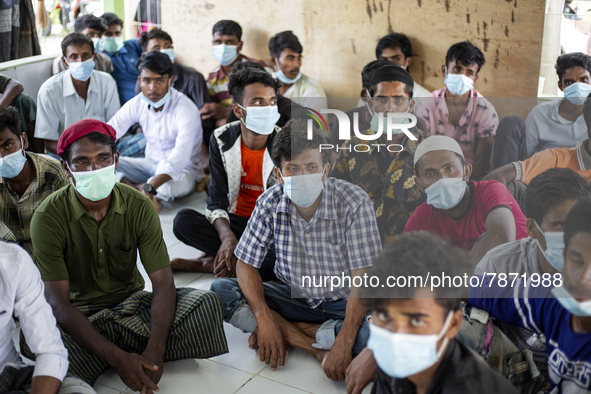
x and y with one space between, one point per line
112 44
571 304
283 78
446 193
458 84
95 185
554 247
81 71
225 54
158 103
97 44
577 93
11 165
402 355
261 120
303 190
170 53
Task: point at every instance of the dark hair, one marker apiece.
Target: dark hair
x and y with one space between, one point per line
465 52
242 78
408 89
369 69
551 188
152 34
227 28
570 60
394 40
457 154
414 256
293 140
90 22
10 117
283 40
76 39
578 220
111 19
247 64
157 62
95 137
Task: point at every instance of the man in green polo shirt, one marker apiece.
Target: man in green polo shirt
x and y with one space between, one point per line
86 238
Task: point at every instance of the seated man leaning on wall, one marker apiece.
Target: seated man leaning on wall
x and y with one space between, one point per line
21 296
475 216
170 122
550 124
320 228
78 93
26 180
383 167
86 238
241 170
459 111
93 28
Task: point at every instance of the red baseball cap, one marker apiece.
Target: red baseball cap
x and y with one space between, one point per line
80 129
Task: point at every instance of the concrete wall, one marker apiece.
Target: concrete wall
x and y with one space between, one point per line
339 36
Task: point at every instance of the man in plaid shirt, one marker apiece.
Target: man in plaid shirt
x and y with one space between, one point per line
26 179
324 231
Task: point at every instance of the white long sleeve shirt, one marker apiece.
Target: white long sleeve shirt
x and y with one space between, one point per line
21 294
173 135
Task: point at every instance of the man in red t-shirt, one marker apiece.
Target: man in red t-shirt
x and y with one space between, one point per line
475 216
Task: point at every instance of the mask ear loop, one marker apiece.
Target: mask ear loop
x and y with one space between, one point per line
442 334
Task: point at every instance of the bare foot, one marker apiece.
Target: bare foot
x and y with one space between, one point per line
203 263
308 328
321 356
252 342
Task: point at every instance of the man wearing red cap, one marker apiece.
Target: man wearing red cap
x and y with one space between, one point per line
86 237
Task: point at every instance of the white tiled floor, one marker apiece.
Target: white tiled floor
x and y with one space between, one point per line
240 370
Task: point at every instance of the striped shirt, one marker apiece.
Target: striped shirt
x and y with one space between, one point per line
16 213
342 236
217 82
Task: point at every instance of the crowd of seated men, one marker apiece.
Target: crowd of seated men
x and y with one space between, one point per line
428 184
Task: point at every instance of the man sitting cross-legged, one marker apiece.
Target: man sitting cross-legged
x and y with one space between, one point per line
86 237
320 227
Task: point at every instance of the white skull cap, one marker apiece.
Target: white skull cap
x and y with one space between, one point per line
437 142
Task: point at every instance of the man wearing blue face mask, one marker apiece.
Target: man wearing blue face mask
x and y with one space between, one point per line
413 329
459 111
559 309
123 54
170 122
86 238
286 58
26 179
241 170
226 47
475 216
552 124
320 227
79 93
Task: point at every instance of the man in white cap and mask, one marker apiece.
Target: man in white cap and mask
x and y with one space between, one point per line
475 216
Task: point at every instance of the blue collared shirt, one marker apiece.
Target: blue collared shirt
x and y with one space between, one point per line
125 68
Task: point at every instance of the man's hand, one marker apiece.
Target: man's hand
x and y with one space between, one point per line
270 342
155 201
338 359
361 372
154 375
132 368
224 264
213 111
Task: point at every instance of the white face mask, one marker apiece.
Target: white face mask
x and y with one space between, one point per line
303 190
402 355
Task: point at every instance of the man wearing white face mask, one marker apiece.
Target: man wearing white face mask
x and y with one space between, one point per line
241 170
385 172
320 227
226 47
286 57
413 329
173 134
475 216
26 179
559 309
79 93
459 111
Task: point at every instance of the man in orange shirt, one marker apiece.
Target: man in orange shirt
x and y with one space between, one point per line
241 170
